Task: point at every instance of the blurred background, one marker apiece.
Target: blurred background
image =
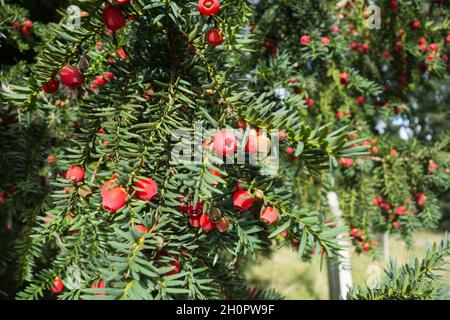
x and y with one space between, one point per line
295 279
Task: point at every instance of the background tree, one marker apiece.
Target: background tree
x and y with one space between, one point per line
323 61
94 205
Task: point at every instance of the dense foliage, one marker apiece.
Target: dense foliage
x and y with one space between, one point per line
91 192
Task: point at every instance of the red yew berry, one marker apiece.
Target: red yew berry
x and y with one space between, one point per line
27 24
122 54
396 224
378 201
400 210
57 286
284 234
420 199
360 100
374 150
241 123
432 166
339 115
355 233
217 174
71 77
364 48
25 31
310 102
325 41
176 268
346 162
48 217
354 45
222 225
51 159
393 5
140 228
194 221
282 135
148 189
208 7
214 37
269 215
374 243
290 150
224 142
99 285
365 247
335 29
305 39
267 44
447 38
243 200
113 199
416 24
148 94
206 223
51 86
120 2
15 25
433 47
113 18
75 174
295 245
252 142
343 78
393 152
429 57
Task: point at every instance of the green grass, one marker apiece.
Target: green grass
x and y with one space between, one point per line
295 279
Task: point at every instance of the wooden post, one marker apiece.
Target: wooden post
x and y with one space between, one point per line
339 273
385 244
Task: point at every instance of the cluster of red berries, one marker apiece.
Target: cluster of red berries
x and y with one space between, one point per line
6 194
25 29
361 47
199 219
305 40
343 77
359 238
243 200
114 197
391 214
101 80
225 142
294 83
208 8
58 286
70 77
431 48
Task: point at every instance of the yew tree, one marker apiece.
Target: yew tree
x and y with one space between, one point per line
150 150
